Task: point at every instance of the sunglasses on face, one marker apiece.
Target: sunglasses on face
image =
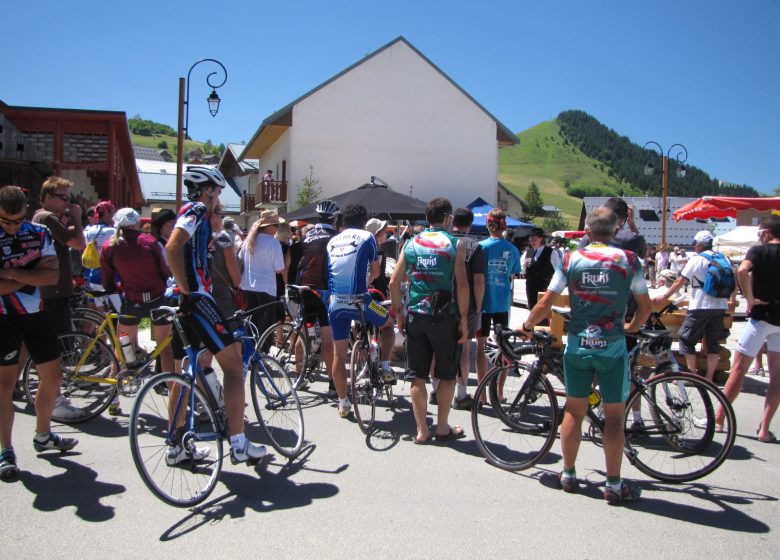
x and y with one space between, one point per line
8 222
63 197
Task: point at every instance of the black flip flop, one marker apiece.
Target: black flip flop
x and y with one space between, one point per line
452 435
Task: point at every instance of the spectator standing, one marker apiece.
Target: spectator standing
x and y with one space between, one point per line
99 233
757 275
599 278
502 264
539 264
706 314
28 260
261 258
462 220
224 264
431 261
268 177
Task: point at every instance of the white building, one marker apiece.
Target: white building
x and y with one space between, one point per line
395 115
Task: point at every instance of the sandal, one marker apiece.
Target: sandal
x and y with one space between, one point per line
421 441
769 439
454 433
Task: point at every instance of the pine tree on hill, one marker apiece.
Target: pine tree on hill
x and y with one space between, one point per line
534 200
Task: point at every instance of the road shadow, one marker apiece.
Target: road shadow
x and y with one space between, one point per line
77 486
754 386
263 491
724 514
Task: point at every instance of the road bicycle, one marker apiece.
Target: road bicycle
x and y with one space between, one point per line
93 371
676 441
178 423
367 382
293 342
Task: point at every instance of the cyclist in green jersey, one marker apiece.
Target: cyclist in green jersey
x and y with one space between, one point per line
599 279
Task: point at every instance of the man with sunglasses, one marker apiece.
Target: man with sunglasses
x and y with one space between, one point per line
63 218
28 262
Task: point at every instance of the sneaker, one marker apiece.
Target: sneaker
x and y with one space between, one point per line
466 403
627 493
388 375
114 409
637 426
177 455
66 411
568 484
432 399
344 411
8 466
700 423
54 441
756 371
251 453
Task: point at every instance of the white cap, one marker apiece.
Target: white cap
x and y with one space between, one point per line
374 225
704 237
126 217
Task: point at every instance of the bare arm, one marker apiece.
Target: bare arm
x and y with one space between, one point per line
373 270
462 281
399 275
231 264
479 290
44 273
744 275
540 311
285 272
174 249
673 289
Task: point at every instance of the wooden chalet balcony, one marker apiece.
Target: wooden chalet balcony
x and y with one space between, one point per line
267 192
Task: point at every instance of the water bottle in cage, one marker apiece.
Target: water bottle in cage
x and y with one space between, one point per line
127 348
215 386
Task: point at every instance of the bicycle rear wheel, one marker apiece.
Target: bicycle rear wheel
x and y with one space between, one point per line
88 369
285 343
180 466
678 441
519 426
364 392
277 406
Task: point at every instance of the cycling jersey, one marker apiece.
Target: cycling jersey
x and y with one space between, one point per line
23 250
313 268
599 279
194 219
430 263
99 233
350 254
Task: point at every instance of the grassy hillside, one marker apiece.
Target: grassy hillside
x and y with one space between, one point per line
543 157
153 141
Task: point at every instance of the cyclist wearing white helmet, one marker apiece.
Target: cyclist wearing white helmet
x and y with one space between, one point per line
313 272
187 251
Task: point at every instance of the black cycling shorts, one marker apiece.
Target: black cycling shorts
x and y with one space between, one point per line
35 330
314 309
204 323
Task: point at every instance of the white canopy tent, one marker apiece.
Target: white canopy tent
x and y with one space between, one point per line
736 242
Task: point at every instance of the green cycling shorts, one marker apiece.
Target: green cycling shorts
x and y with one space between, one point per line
606 367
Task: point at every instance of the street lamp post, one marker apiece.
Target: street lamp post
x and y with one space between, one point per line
184 116
681 156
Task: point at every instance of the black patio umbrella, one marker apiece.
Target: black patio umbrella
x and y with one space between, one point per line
379 200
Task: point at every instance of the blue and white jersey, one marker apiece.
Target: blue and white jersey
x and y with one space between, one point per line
194 219
23 250
100 234
350 254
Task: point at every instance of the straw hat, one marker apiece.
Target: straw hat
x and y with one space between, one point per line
269 218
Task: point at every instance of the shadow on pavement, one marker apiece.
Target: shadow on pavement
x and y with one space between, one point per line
717 510
271 491
77 486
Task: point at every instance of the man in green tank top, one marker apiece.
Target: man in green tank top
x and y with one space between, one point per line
430 262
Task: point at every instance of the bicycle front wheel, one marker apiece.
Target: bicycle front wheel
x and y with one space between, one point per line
277 406
179 464
677 440
89 367
516 430
364 392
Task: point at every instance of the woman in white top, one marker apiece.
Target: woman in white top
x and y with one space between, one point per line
261 259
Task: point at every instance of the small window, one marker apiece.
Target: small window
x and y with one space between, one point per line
649 216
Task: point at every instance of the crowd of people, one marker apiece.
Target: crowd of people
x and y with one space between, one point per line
447 288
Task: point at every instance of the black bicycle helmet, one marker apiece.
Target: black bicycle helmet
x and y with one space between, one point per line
198 177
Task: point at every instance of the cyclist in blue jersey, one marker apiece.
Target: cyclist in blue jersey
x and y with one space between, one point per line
353 262
28 260
187 251
599 279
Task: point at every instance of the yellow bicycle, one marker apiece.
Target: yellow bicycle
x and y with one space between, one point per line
92 373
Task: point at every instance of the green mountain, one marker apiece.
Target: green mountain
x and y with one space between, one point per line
575 156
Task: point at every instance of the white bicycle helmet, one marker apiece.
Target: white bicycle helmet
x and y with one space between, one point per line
198 177
327 209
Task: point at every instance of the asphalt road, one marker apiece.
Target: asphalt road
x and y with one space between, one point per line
352 496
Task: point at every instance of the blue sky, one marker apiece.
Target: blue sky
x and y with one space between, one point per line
704 73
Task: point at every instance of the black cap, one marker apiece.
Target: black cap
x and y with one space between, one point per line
538 232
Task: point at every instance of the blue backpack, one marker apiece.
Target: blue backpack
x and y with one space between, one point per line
719 281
